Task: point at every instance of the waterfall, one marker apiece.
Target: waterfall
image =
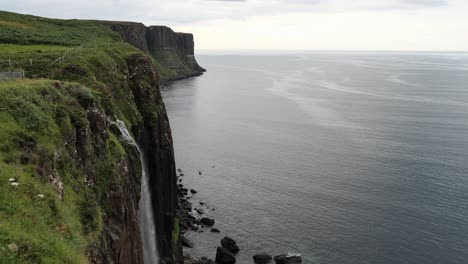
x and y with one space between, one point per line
146 219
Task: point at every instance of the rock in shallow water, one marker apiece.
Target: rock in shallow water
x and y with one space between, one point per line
230 244
262 259
215 230
223 256
207 221
186 242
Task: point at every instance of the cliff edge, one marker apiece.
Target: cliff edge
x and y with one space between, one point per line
70 184
173 52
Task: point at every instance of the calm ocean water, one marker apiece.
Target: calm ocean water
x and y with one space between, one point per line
343 157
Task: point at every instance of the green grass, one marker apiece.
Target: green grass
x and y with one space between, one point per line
32 30
40 118
36 118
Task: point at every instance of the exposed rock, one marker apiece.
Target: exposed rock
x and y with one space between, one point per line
223 256
199 173
199 211
215 230
262 259
207 221
201 203
288 259
230 244
186 242
193 191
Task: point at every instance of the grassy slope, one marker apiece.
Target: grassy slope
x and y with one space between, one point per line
36 115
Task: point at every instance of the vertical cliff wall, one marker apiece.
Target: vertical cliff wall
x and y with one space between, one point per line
72 176
173 53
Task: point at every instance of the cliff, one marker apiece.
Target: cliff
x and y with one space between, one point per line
69 185
172 52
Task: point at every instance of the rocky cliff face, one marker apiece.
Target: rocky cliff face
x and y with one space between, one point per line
174 52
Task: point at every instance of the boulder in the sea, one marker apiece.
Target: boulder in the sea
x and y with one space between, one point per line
179 170
199 173
193 191
205 260
230 244
288 259
207 221
186 242
262 259
215 230
223 256
199 211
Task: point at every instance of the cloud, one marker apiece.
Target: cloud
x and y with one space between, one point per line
426 2
176 12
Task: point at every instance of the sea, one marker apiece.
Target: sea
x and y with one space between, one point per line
343 157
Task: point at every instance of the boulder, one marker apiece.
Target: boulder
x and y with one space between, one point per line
229 244
193 191
288 259
262 259
223 256
205 260
186 242
207 221
215 230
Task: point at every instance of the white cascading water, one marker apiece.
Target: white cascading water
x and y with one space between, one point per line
147 227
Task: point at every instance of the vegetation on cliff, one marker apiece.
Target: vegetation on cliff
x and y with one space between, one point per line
69 189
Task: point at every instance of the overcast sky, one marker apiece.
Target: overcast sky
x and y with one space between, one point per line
283 24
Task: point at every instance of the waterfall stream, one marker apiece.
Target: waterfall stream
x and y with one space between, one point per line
146 219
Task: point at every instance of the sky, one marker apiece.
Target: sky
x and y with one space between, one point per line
424 25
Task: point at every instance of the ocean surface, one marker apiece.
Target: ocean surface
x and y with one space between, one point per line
343 157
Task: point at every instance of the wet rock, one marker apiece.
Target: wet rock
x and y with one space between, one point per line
207 221
201 203
179 170
200 211
223 256
193 191
182 175
230 244
186 242
288 259
215 230
262 259
205 260
199 173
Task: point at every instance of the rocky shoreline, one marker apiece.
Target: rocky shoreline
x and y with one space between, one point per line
226 252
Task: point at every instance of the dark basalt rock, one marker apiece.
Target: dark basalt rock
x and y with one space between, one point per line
205 260
186 242
207 221
288 259
215 230
223 256
230 244
262 259
193 191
